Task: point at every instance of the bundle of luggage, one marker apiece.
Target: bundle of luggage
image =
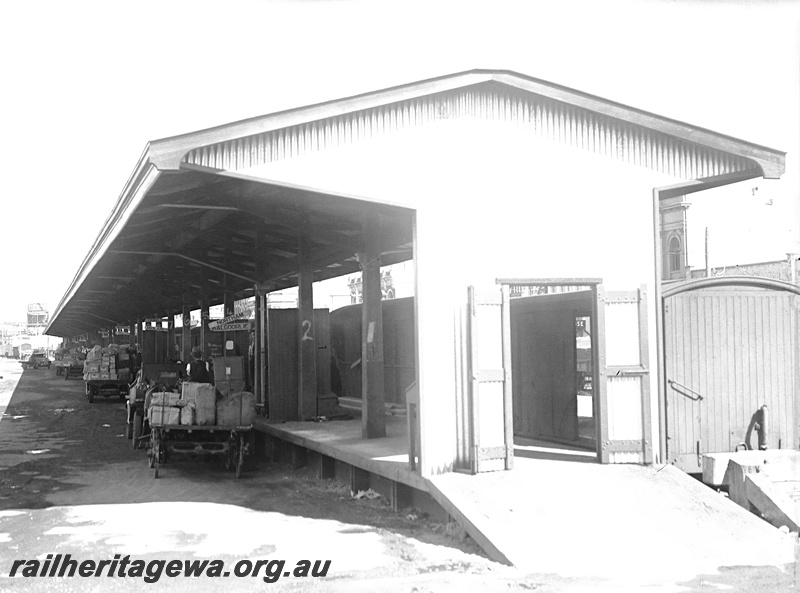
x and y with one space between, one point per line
197 405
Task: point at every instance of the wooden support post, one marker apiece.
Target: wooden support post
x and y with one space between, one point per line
307 349
140 336
402 496
261 361
228 311
373 412
327 468
170 336
259 337
268 447
256 352
187 335
158 355
204 318
299 456
152 355
359 479
147 349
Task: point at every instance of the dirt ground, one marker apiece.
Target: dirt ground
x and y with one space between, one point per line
70 482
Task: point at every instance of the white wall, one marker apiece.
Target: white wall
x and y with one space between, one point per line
493 201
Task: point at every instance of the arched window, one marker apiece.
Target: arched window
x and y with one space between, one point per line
675 254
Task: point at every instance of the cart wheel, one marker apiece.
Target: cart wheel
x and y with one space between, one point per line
137 429
240 456
229 456
153 450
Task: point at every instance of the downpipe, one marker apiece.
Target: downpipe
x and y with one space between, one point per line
763 428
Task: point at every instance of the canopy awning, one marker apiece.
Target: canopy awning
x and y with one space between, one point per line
197 230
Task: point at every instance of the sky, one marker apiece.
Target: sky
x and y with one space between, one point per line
87 84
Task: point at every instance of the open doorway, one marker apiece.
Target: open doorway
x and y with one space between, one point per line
584 376
552 366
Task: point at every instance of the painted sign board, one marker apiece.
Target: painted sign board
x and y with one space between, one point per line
229 320
229 327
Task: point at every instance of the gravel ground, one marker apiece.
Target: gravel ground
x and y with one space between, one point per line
71 483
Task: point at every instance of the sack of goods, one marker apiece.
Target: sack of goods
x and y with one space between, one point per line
203 397
163 407
164 398
164 415
189 415
237 409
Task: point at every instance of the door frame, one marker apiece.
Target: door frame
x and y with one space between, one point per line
596 286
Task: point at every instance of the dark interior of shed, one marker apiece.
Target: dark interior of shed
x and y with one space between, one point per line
552 367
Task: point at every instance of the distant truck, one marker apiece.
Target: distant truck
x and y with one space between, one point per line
36 360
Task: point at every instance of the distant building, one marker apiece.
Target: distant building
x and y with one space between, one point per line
673 237
674 261
38 318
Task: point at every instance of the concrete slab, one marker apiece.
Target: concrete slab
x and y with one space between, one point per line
715 465
562 513
767 482
773 504
589 520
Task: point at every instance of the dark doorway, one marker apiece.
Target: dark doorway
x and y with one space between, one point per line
552 368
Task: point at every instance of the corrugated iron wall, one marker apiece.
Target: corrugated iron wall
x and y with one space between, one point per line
547 118
728 352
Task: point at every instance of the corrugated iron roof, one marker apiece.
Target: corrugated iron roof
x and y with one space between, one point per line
186 224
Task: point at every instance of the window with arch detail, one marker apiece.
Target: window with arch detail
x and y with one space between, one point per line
675 251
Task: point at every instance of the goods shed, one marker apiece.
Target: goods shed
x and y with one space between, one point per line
495 183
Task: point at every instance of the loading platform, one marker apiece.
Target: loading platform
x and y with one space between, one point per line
557 511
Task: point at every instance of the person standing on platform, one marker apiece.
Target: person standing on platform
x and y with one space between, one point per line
197 369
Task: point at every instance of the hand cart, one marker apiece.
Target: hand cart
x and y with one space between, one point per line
152 375
167 440
106 388
72 369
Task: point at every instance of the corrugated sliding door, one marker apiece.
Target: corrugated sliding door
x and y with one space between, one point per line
624 378
489 348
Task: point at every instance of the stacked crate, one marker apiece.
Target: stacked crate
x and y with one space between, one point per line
108 365
91 366
101 365
123 365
